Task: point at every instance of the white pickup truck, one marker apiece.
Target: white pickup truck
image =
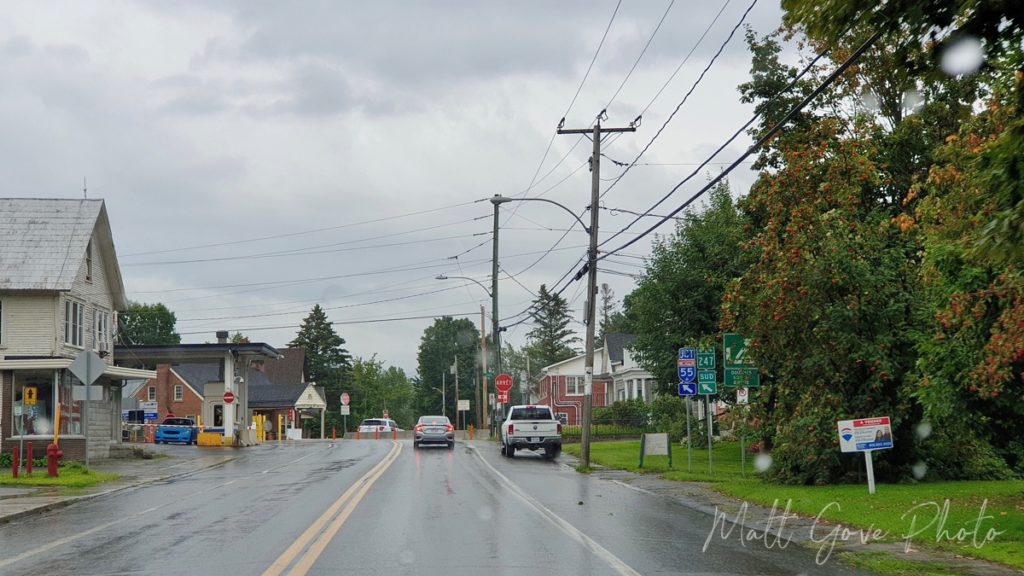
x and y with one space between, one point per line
531 428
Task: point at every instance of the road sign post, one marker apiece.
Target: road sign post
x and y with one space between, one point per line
865 435
87 367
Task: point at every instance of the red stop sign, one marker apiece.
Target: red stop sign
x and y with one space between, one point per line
229 397
503 382
344 398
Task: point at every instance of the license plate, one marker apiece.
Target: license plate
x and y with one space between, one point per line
534 440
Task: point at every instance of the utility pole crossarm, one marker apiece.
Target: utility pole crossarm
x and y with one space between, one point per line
591 130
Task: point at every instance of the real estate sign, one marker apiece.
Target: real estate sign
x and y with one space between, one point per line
864 434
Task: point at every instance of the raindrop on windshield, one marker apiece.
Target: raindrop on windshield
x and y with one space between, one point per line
763 461
923 430
870 101
919 470
912 99
485 513
963 56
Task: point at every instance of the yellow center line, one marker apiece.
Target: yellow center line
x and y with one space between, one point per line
316 531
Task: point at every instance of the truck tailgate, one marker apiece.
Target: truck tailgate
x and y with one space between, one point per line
530 429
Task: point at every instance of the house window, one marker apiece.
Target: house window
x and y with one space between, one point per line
621 394
74 322
574 385
101 330
151 394
179 392
88 262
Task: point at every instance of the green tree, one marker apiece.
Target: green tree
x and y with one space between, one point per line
442 342
551 340
326 360
677 299
374 388
239 338
148 324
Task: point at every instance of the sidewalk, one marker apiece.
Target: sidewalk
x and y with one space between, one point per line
19 502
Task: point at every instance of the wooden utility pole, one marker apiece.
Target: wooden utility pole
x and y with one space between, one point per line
595 168
482 401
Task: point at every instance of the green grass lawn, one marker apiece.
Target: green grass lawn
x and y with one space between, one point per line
897 509
70 476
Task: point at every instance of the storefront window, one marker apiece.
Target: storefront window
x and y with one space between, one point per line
35 397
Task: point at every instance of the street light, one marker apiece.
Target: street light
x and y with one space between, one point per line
477 282
498 200
441 390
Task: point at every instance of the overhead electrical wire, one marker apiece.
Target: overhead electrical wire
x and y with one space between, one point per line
340 323
686 97
300 233
755 146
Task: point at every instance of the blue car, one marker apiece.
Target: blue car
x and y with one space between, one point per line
181 430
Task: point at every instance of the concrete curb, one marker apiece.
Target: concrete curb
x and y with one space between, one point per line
70 500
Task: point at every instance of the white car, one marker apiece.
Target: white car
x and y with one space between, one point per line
378 425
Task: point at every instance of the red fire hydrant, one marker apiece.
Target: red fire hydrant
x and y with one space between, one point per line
53 453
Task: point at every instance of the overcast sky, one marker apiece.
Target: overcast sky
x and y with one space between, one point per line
243 148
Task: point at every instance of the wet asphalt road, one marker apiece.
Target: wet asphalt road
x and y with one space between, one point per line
382 507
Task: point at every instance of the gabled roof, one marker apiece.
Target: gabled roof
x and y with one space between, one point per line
43 243
616 343
288 369
276 395
198 375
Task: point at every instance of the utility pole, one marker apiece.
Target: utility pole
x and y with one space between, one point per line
495 329
595 169
481 407
456 369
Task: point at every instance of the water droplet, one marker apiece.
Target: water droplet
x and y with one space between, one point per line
912 99
406 557
963 56
919 470
762 462
870 101
485 513
923 430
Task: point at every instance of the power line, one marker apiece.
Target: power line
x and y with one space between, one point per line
642 52
686 97
339 323
301 233
756 145
312 250
718 150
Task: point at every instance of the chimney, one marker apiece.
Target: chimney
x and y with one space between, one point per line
222 336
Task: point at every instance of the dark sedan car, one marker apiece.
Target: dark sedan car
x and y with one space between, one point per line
434 430
176 430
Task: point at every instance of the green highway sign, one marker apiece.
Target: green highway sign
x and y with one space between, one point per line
742 377
705 376
706 359
707 388
735 351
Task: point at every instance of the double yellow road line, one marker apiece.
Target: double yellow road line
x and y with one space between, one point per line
303 553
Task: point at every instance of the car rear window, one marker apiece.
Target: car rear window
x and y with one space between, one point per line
531 413
434 420
374 423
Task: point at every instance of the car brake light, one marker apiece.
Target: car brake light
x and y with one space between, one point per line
559 427
511 429
419 427
449 428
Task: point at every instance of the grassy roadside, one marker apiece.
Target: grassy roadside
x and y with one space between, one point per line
982 519
71 476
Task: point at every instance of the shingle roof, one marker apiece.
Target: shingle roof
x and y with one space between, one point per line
198 375
275 395
288 369
616 344
42 242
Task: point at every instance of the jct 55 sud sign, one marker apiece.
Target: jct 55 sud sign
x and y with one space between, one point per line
864 434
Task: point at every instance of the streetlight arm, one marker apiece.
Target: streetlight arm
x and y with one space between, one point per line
478 283
503 199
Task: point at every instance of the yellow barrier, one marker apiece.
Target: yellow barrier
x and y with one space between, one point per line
210 439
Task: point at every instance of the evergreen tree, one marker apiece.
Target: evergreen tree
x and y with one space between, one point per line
326 360
551 339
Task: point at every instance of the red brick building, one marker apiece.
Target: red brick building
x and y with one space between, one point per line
563 383
173 394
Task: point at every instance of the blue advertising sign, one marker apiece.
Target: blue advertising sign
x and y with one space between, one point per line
687 389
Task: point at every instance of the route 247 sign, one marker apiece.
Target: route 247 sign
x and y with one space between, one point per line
865 434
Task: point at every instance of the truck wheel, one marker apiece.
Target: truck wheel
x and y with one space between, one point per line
552 452
502 448
510 451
